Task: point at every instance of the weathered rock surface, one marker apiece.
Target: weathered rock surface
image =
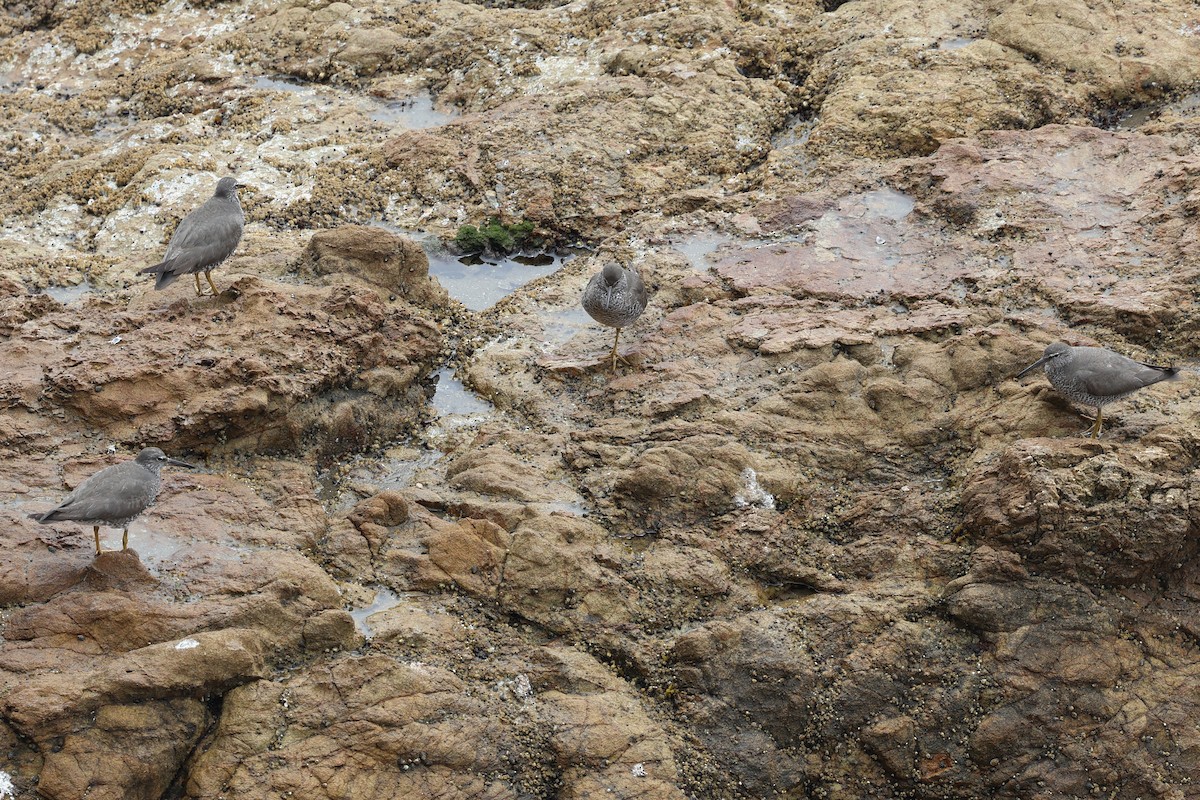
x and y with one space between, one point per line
337 366
376 256
811 542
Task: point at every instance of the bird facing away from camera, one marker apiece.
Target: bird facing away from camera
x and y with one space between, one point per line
115 495
616 297
204 238
1095 376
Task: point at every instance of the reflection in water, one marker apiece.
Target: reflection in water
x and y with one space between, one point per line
887 203
1185 106
396 470
575 509
413 113
478 282
452 398
281 83
796 133
154 546
957 43
560 324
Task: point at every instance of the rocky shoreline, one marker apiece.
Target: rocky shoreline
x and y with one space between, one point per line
813 543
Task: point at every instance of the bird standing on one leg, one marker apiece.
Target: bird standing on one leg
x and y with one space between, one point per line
115 495
616 297
1095 376
204 238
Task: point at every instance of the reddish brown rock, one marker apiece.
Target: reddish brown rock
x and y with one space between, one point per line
1086 511
184 373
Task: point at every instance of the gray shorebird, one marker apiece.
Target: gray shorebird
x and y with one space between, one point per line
1094 376
115 495
615 296
204 238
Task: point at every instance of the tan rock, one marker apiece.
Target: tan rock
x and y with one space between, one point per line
804 544
130 751
49 705
893 741
1121 60
367 50
377 256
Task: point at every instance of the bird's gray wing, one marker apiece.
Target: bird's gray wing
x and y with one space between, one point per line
593 285
113 493
201 241
216 218
638 289
1120 375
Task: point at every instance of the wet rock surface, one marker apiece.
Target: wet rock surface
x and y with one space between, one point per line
811 541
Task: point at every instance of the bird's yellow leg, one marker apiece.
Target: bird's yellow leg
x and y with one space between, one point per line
196 275
208 276
1096 427
125 540
617 356
96 533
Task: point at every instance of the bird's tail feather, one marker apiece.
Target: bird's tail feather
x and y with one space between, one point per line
159 267
162 272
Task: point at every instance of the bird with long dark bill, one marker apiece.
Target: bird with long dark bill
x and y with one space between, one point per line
1095 376
114 496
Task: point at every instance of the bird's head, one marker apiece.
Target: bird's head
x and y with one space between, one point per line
612 274
1050 353
154 459
227 187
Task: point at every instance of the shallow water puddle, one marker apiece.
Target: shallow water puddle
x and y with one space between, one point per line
69 294
887 203
385 598
860 247
475 280
574 508
453 398
414 113
955 43
480 282
866 230
456 406
282 84
560 324
1185 106
796 133
396 471
168 552
699 247
156 548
